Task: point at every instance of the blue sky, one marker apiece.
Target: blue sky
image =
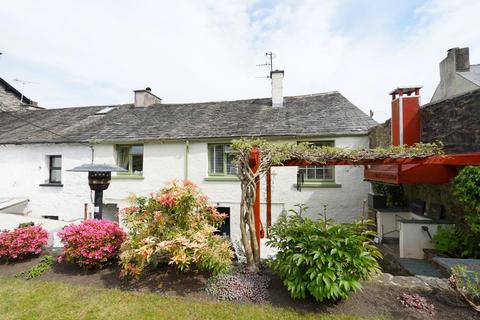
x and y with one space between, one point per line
92 53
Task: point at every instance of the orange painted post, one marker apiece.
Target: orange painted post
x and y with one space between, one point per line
269 199
254 164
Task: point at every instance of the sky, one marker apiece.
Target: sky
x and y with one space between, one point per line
76 53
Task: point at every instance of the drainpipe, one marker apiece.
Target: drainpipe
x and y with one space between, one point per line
187 150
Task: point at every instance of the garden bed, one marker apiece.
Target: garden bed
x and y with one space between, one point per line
379 297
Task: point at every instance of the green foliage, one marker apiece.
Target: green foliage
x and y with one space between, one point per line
26 224
454 241
320 154
37 270
467 190
464 239
468 282
175 226
323 258
394 194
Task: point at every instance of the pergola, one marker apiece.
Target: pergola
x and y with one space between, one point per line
433 169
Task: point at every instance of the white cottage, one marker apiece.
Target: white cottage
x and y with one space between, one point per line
159 142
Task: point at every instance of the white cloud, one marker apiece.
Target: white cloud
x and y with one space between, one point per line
96 52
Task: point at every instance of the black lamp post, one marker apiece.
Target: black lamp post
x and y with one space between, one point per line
99 176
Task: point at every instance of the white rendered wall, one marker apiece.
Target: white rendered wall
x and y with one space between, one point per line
26 168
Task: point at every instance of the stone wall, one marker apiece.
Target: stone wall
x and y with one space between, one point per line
380 136
456 123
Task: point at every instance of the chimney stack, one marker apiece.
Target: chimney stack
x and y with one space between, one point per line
406 128
145 98
460 57
277 88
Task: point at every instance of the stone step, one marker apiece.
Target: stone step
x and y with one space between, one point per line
418 267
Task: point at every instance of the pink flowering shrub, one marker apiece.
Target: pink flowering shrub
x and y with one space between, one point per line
22 242
92 243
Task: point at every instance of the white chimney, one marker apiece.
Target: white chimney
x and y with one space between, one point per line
277 88
145 98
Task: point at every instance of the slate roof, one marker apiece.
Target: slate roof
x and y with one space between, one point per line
308 115
472 75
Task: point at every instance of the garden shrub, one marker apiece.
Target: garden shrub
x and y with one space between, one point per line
323 258
453 241
22 242
467 284
175 226
466 187
464 239
92 243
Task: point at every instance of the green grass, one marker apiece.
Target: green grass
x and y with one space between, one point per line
20 299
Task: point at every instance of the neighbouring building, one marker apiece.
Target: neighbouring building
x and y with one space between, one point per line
457 75
13 100
158 142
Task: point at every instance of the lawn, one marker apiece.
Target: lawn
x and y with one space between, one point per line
39 300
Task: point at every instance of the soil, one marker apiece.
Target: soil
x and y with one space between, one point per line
374 300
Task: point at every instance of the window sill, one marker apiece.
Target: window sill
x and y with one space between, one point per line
51 185
320 185
221 178
127 177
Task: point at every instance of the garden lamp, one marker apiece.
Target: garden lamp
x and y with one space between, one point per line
99 176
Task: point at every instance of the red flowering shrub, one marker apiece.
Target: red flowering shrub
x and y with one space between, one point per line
92 243
22 242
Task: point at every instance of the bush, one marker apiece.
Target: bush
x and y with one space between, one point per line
466 187
175 226
323 258
467 284
463 240
91 244
22 242
453 241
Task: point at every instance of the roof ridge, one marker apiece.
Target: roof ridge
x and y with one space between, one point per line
251 99
91 107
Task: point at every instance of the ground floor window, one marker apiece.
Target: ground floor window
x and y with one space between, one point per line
220 160
318 173
130 157
55 169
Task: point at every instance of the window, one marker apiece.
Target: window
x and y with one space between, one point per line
55 169
220 160
319 173
130 157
